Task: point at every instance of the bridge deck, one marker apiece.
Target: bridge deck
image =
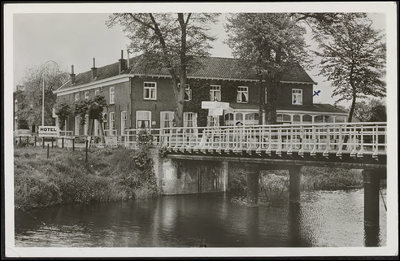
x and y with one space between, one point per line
344 141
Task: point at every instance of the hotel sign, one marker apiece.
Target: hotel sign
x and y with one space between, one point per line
49 131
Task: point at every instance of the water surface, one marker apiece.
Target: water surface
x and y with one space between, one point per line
323 219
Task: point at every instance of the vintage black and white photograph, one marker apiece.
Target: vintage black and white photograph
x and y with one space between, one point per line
202 129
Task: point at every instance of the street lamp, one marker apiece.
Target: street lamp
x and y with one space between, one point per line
43 89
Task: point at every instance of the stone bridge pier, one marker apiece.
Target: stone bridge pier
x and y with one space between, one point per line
371 181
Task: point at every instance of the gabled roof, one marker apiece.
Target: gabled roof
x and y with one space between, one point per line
208 68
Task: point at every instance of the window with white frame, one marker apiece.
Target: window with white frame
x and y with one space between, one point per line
111 95
77 123
124 121
86 95
96 128
105 121
96 92
143 119
229 119
297 96
239 117
86 126
243 94
77 96
251 118
189 119
150 90
188 92
212 121
112 121
167 118
215 93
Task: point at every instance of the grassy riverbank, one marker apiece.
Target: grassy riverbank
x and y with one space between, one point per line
109 175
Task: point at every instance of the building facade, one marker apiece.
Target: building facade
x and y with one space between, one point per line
142 97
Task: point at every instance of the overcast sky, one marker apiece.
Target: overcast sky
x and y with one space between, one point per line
76 38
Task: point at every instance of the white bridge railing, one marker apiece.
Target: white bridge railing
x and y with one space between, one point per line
355 139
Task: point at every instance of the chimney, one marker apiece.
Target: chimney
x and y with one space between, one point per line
72 75
94 70
122 63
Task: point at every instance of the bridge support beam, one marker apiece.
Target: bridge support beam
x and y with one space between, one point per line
294 187
371 197
253 172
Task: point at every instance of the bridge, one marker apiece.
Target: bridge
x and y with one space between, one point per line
200 159
188 151
335 143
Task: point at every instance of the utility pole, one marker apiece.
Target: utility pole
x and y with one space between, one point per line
43 88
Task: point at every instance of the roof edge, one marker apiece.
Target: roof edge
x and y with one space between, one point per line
86 85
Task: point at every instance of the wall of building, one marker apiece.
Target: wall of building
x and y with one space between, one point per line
164 100
129 97
121 103
285 94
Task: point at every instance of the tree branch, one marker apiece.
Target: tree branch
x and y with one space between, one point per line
142 22
187 19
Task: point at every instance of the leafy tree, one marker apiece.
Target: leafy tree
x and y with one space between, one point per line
352 57
82 107
63 111
373 110
171 41
271 42
31 104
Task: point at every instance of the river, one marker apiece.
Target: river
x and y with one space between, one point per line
323 219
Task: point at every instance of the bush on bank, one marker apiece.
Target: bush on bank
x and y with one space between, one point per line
109 175
312 178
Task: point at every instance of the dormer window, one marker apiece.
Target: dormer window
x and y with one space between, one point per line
243 94
215 93
150 91
297 96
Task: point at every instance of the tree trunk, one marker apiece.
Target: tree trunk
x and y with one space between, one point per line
180 91
262 101
353 105
270 105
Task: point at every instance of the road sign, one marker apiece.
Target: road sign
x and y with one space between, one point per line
49 131
214 105
215 112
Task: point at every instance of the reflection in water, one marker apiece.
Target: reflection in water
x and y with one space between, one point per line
371 235
294 224
252 237
322 219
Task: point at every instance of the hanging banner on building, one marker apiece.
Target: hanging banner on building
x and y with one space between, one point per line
49 131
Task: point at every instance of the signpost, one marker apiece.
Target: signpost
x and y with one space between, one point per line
215 112
214 105
215 109
49 131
